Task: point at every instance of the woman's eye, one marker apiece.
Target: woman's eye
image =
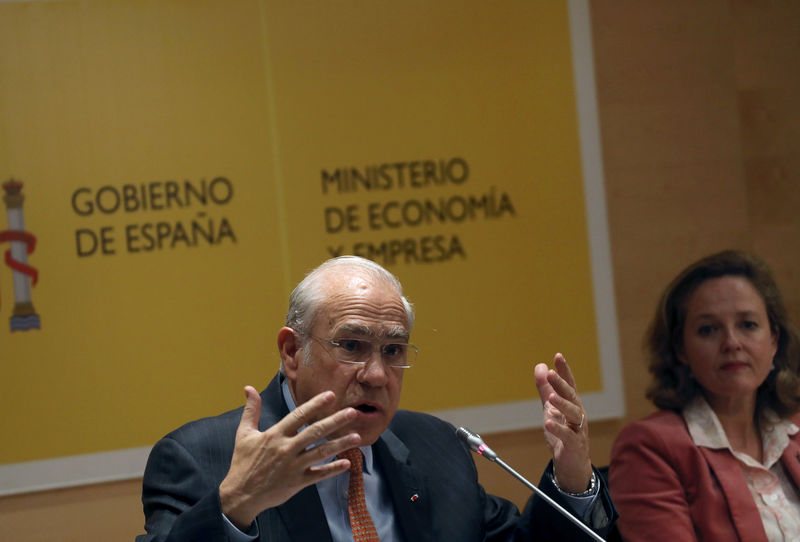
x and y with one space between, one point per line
704 331
749 324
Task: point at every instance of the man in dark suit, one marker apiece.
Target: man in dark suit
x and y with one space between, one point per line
275 470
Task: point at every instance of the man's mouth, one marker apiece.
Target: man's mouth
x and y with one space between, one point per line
366 408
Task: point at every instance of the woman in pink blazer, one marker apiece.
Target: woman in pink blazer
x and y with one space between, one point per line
721 460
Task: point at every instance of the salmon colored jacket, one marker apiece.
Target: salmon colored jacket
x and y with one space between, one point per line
666 488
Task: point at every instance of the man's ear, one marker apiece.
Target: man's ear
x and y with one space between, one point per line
290 349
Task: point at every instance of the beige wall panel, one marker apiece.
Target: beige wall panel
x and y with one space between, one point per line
770 120
691 131
99 513
778 245
670 133
767 42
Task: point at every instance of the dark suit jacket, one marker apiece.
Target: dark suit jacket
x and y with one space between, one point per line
418 454
669 489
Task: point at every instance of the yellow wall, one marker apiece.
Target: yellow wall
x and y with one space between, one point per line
699 137
265 122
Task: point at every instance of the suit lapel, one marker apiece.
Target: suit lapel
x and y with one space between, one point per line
302 515
273 407
407 487
743 510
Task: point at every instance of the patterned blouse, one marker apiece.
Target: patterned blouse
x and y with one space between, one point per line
772 489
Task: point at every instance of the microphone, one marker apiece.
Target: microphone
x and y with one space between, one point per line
476 444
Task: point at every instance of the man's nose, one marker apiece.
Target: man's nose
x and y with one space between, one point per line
374 371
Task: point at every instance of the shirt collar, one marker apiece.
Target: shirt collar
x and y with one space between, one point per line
290 404
706 430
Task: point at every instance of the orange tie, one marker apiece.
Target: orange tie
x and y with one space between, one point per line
360 522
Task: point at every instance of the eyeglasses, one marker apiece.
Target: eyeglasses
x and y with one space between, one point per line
359 351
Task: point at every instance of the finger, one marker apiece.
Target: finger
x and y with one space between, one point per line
306 413
572 413
540 375
563 369
551 410
317 473
321 429
252 410
578 426
563 432
331 448
563 388
570 418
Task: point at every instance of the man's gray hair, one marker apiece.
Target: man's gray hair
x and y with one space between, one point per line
307 297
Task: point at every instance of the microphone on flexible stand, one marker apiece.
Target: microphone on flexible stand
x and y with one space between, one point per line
476 444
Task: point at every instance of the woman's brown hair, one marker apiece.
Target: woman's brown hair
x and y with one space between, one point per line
672 386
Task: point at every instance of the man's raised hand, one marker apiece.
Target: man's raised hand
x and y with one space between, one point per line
269 467
565 425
